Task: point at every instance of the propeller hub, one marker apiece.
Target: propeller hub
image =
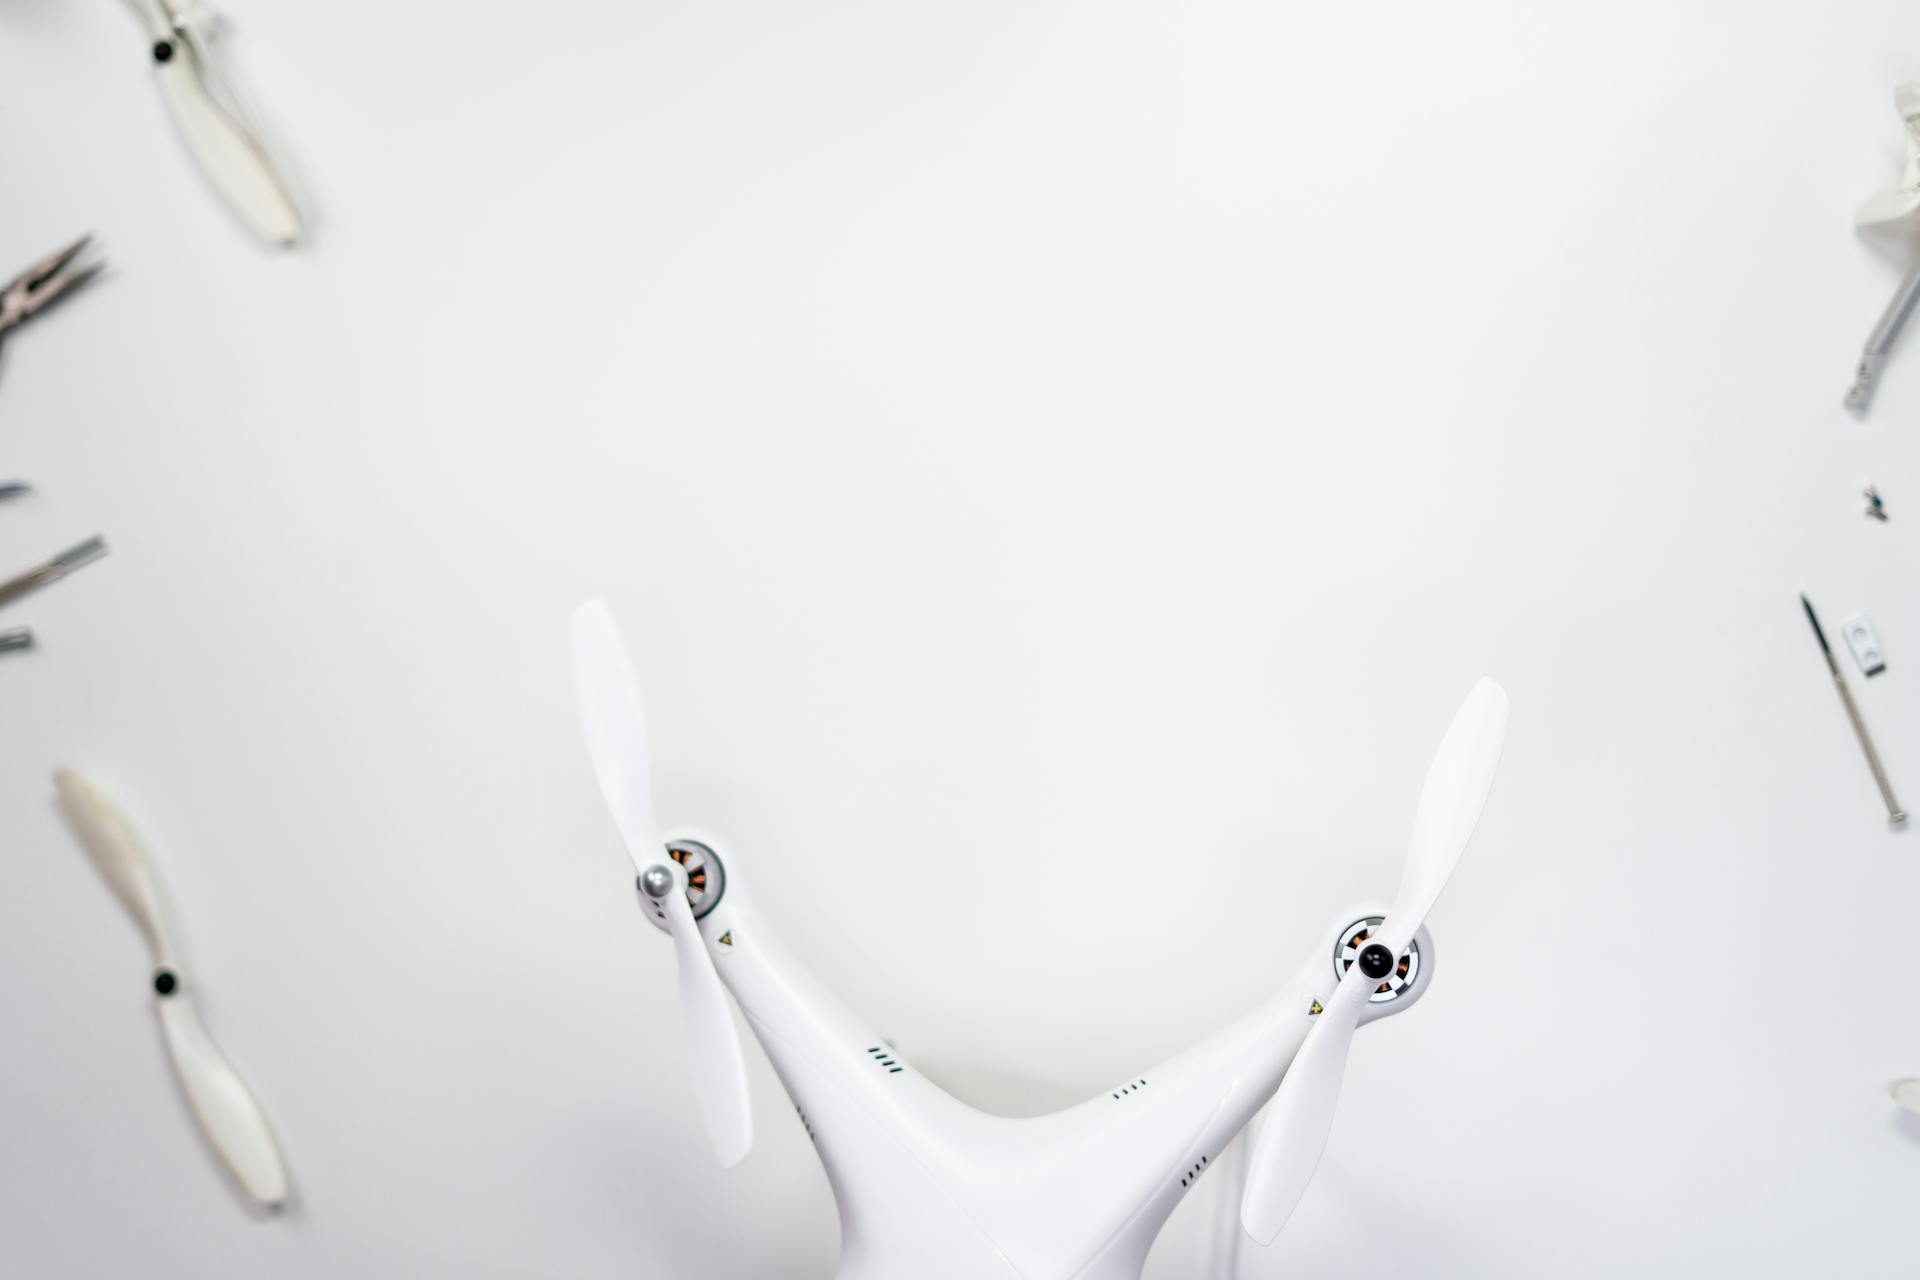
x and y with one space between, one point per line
1346 956
656 883
1376 961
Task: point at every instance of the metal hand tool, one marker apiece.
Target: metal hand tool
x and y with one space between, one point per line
44 283
1895 814
1873 356
53 570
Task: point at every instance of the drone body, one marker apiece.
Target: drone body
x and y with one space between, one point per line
930 1188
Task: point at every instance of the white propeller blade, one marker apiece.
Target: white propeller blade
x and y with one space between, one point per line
227 1112
1291 1142
720 1071
1451 800
210 122
615 723
1301 1115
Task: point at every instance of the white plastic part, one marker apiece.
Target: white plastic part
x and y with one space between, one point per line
930 1188
1226 1237
227 151
1901 202
1865 645
614 721
1295 1133
227 1112
1907 1094
1451 801
231 1119
117 856
720 1065
1298 1123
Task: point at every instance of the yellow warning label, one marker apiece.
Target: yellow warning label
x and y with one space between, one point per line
1315 1009
726 939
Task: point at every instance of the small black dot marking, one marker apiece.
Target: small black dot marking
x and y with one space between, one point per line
163 51
165 983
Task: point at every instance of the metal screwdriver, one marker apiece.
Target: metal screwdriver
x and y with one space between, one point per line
53 570
1895 814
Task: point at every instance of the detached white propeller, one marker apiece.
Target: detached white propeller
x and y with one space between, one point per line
614 719
213 121
1289 1144
227 1112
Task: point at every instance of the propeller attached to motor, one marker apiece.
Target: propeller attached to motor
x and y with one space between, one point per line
614 719
1300 1117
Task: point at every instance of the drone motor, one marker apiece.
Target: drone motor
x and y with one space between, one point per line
706 877
1394 975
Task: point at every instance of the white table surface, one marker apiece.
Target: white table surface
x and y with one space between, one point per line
1041 453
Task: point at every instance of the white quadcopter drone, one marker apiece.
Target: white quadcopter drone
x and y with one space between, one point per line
931 1189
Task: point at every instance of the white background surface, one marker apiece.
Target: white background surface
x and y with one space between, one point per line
1050 461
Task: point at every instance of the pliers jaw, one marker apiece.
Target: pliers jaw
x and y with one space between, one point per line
45 282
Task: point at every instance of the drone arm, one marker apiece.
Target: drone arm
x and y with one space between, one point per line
1147 1148
1225 1229
880 1128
